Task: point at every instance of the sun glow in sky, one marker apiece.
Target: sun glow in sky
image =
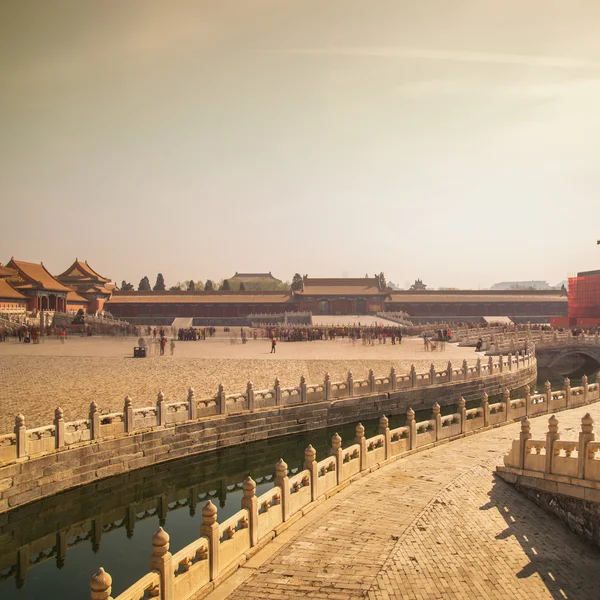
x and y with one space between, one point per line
456 142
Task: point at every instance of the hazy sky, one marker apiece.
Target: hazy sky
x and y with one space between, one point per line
452 140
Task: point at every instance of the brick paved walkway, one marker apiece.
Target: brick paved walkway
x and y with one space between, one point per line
434 525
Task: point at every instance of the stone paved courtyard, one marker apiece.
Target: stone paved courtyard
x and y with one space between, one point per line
435 525
35 379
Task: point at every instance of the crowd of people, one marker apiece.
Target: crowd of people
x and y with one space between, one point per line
367 334
192 334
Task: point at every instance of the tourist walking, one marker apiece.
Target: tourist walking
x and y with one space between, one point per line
163 343
273 345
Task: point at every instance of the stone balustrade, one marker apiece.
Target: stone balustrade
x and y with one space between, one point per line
223 547
574 459
61 434
515 342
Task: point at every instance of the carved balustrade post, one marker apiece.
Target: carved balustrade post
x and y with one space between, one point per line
548 394
336 450
277 388
161 409
250 395
94 421
302 388
327 386
161 560
371 381
478 366
501 363
59 426
437 420
524 436
413 376
250 503
485 409
585 385
101 585
283 481
222 400
567 392
362 442
310 464
585 437
384 430
449 370
128 415
192 406
412 428
551 437
462 411
394 380
210 530
510 361
527 400
506 398
350 383
465 369
491 365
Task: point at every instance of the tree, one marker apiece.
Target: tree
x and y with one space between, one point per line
144 285
191 286
208 286
225 287
242 287
159 286
175 288
297 284
382 282
126 287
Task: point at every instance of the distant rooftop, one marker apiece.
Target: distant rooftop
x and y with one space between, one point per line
254 276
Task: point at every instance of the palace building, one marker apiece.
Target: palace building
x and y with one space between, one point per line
26 286
339 296
30 287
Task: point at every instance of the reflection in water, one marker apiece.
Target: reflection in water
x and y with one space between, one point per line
110 523
52 547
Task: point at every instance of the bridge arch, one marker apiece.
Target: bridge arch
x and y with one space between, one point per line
591 353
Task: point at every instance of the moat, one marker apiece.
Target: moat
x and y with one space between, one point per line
57 543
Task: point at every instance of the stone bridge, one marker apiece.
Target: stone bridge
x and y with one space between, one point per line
568 354
360 523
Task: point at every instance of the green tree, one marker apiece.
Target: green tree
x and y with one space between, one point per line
191 286
208 286
382 281
225 287
159 286
175 288
242 287
126 287
297 282
144 285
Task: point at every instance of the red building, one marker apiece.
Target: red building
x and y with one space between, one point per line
346 296
90 290
584 301
34 281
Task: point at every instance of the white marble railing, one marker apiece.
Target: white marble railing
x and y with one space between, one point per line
23 442
222 547
576 459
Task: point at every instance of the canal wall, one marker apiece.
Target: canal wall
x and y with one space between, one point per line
44 461
195 570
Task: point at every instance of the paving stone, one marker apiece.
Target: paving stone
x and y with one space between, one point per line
436 524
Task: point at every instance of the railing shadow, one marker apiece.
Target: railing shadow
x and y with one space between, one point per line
567 565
